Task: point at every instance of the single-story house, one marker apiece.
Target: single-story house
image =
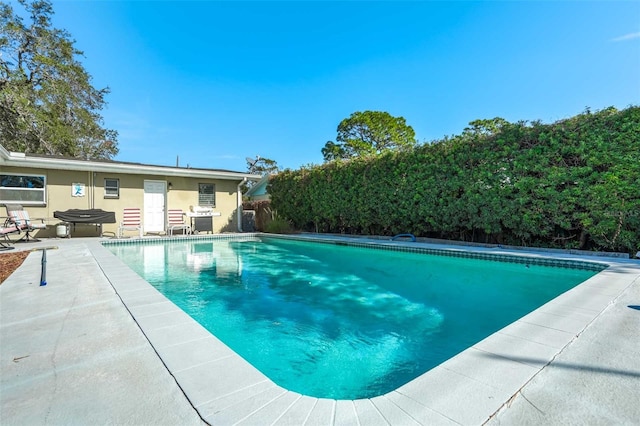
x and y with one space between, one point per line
46 184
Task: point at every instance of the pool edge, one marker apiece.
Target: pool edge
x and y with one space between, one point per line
469 375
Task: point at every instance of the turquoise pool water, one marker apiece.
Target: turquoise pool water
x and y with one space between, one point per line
342 322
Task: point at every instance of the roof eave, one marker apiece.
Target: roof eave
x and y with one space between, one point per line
20 160
263 181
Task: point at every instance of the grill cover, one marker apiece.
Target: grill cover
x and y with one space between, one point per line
86 216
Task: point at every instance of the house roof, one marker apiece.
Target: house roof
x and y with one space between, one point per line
17 159
262 183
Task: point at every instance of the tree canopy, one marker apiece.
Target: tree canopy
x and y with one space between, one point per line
262 166
572 184
367 133
259 166
47 102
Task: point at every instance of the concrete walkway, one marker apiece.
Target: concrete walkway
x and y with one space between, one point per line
595 381
71 353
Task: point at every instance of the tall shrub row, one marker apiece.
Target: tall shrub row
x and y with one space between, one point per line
574 183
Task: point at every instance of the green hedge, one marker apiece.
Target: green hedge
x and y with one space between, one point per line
571 184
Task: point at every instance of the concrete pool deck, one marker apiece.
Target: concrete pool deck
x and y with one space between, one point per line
98 344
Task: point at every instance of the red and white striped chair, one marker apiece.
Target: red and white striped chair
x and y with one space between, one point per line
131 221
175 221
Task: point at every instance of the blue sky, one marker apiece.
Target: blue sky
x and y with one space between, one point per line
215 82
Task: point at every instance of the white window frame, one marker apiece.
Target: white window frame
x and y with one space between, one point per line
40 202
117 188
206 200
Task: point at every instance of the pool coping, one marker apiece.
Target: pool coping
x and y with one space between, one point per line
225 389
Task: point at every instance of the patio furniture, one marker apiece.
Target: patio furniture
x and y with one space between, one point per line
4 237
175 221
131 221
19 218
89 216
201 219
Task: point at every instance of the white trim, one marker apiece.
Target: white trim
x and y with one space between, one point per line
26 202
16 159
145 207
117 188
239 205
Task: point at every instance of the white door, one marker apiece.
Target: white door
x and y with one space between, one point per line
154 200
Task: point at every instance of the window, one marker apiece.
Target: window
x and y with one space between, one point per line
111 188
206 194
23 189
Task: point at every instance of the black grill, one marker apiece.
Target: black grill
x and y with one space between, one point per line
86 216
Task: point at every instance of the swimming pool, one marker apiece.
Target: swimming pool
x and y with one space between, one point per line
360 322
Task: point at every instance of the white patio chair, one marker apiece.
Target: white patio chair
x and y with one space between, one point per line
131 221
175 221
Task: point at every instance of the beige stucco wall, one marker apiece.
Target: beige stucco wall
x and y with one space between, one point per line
182 195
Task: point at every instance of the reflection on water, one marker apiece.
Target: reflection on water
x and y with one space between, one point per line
342 322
